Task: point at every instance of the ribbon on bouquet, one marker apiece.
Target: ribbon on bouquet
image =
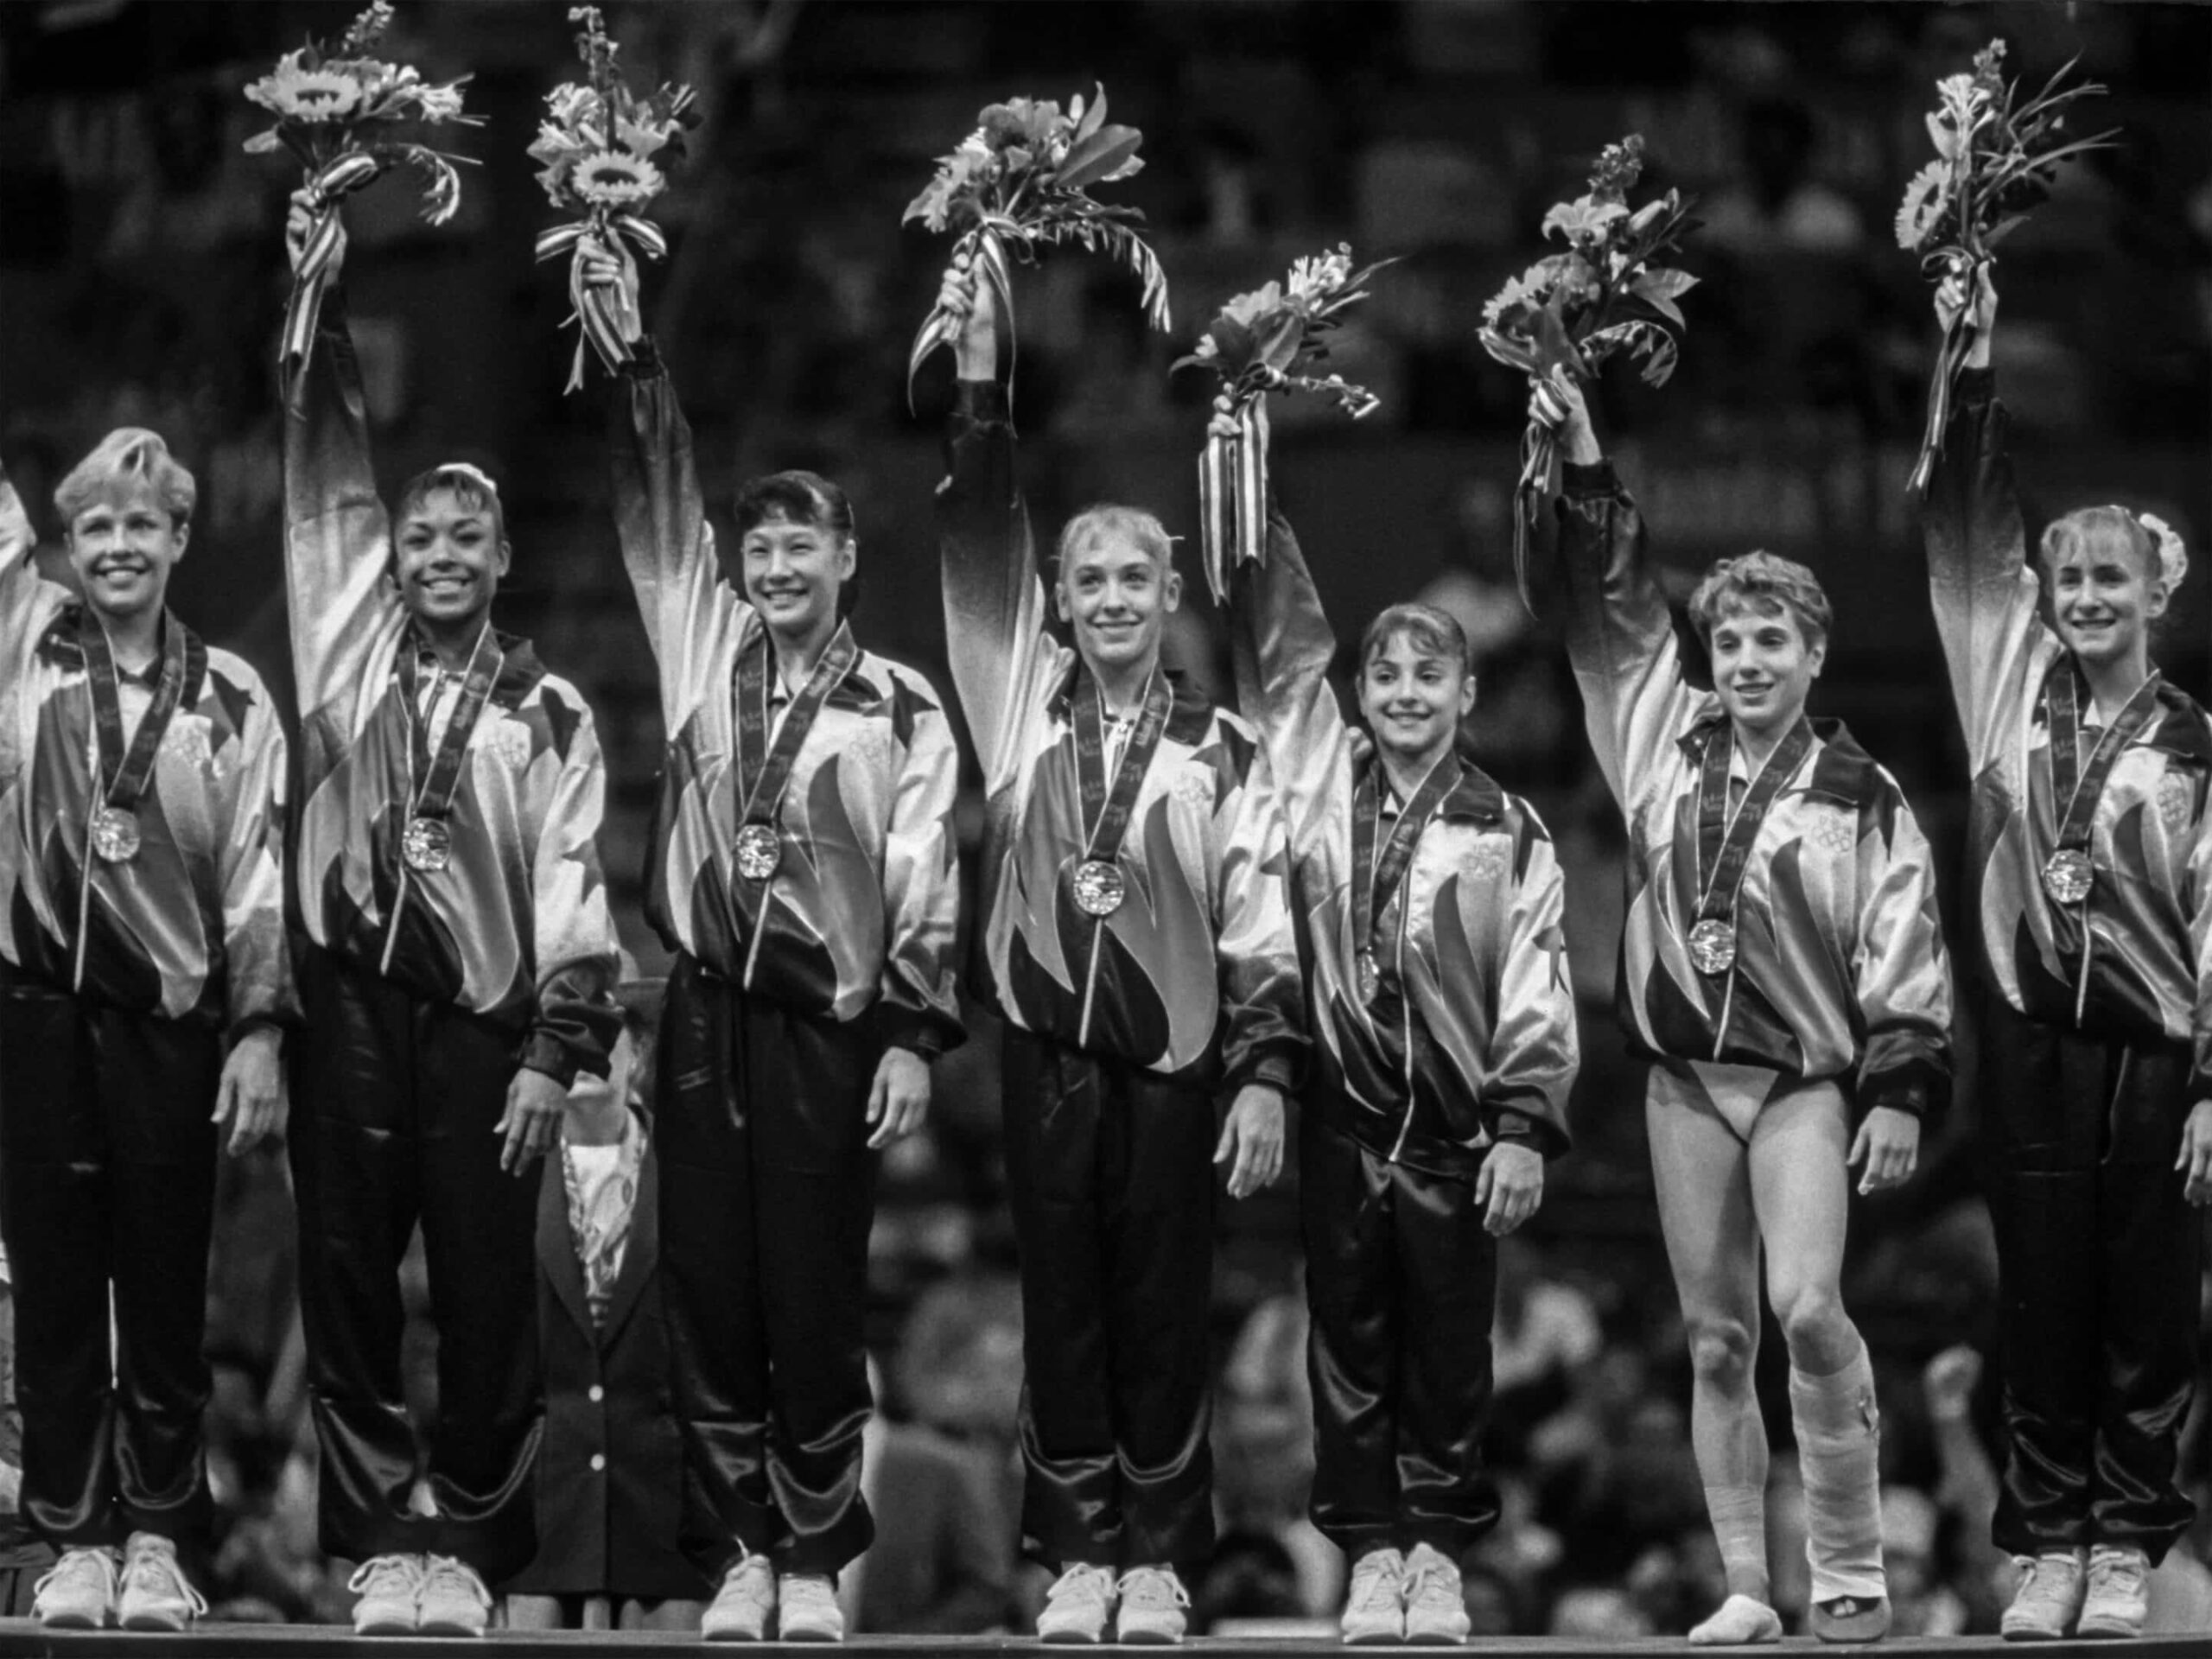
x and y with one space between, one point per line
1958 342
985 248
606 317
325 187
1233 496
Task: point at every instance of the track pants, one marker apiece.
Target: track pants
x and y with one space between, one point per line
394 1100
107 1187
1401 1283
1110 1178
2097 1254
767 1192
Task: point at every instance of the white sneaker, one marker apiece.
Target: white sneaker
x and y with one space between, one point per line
807 1610
1436 1605
741 1607
1153 1600
389 1587
2049 1600
453 1600
1375 1607
156 1594
78 1593
1077 1605
2118 1599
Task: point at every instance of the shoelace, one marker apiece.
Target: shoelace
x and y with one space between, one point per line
154 1561
74 1564
373 1577
444 1573
2125 1569
1141 1578
1372 1585
1079 1581
1422 1579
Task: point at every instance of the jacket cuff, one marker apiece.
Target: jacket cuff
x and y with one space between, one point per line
1277 1065
926 1034
1918 1088
1596 480
264 1020
981 400
1974 388
645 362
545 1053
1511 1126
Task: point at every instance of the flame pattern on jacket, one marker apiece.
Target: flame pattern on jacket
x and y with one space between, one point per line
516 929
1485 1047
193 927
1840 957
1199 968
2147 952
863 911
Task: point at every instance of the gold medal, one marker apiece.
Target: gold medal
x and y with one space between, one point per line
759 851
2069 875
1713 947
427 845
115 834
1099 887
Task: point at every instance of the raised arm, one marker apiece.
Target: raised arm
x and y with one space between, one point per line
337 535
921 887
1534 1053
1980 582
21 618
1281 646
1903 978
1002 656
660 513
577 1020
1620 637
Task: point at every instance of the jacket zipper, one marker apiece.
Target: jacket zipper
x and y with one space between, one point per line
1091 983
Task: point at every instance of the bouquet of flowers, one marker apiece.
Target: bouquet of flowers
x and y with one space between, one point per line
1570 312
333 104
597 144
1258 345
1020 183
1996 157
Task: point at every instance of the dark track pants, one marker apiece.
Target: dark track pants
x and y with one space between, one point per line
2097 1252
767 1192
1401 1281
107 1183
394 1101
1111 1177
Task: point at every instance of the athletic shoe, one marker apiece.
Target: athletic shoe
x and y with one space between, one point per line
78 1593
453 1601
389 1588
2119 1585
2049 1600
1850 1619
1153 1600
1076 1607
156 1594
1740 1622
740 1608
1436 1606
807 1610
1374 1608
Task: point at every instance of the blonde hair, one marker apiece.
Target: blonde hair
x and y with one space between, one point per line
134 453
1109 520
1763 582
2146 538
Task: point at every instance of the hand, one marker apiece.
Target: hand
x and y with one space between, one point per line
532 1120
1888 1142
1969 291
251 1097
1948 1382
1557 401
975 347
1510 1187
1251 1140
1222 423
613 269
2196 1154
899 1101
299 227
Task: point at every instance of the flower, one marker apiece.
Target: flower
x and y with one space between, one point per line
1618 166
295 92
1249 309
1925 202
615 178
1321 275
1583 220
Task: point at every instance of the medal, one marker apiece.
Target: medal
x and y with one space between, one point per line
1380 863
2068 876
1371 976
1099 887
426 844
760 850
115 835
1713 947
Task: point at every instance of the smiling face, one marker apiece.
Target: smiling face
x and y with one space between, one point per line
449 557
1117 593
1413 697
122 544
2103 597
793 570
1763 665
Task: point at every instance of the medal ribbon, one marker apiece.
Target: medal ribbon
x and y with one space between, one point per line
1107 811
123 776
2079 788
1375 879
1724 843
440 775
764 769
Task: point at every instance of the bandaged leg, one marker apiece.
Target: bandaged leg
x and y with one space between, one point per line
1739 1527
1838 1441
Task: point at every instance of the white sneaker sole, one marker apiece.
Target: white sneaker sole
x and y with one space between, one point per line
449 1627
1144 1638
1064 1637
387 1624
1373 1635
156 1624
72 1621
2094 1628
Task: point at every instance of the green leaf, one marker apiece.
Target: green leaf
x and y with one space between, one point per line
1091 159
1094 117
